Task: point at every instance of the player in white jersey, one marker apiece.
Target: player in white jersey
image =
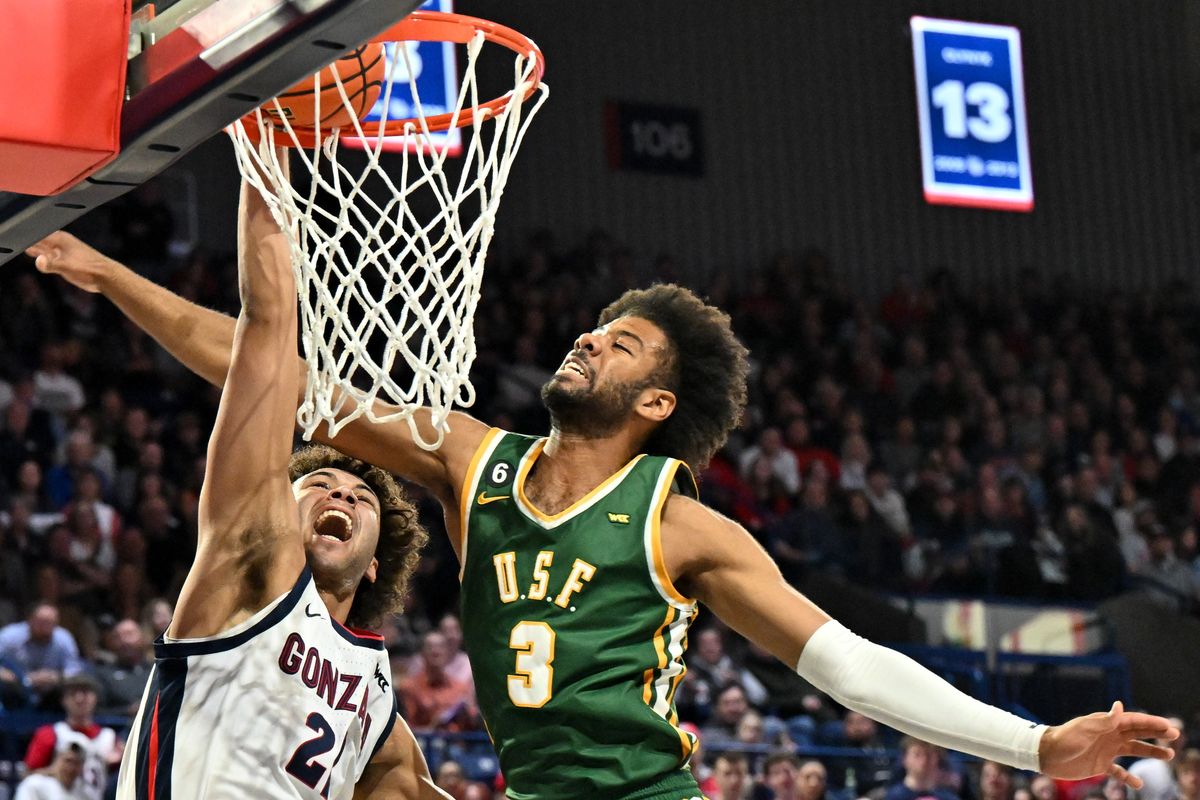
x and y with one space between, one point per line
259 689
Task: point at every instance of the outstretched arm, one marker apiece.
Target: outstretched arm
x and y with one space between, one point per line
202 339
719 563
249 548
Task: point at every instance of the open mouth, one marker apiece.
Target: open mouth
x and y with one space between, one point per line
334 524
575 366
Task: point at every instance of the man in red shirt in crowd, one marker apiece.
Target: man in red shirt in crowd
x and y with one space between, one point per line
433 699
102 749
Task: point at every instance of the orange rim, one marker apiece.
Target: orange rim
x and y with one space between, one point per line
436 26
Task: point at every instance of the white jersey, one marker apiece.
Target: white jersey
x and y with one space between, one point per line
97 755
46 787
289 704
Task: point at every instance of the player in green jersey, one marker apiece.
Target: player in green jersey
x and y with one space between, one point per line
584 554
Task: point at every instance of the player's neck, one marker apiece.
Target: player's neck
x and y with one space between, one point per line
586 460
338 607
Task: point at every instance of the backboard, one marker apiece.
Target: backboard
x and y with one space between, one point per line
194 67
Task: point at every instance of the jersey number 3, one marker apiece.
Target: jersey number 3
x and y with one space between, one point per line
532 683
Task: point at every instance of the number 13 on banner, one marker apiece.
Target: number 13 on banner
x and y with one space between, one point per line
971 106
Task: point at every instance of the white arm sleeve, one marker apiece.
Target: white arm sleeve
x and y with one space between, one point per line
892 688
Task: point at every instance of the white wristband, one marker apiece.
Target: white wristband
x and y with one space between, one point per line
897 691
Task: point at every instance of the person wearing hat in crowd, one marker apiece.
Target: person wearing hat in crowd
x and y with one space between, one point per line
64 778
101 747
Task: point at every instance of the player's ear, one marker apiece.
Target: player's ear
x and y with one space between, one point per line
372 570
655 405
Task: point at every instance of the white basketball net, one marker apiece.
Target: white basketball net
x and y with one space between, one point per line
387 299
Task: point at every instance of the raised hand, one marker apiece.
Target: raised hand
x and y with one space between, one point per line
1089 745
62 254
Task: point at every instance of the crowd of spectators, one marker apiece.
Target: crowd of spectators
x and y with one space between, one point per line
1039 443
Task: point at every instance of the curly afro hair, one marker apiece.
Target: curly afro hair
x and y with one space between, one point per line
706 369
401 535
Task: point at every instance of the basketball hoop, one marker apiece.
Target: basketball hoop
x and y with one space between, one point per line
388 296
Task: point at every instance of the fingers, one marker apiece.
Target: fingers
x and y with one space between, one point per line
1143 726
1122 774
51 242
1147 750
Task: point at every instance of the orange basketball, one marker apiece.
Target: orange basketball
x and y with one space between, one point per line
362 72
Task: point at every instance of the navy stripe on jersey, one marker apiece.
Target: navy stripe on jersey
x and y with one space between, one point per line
363 638
387 729
156 740
142 763
170 650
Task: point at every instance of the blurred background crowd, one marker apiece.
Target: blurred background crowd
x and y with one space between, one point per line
1041 445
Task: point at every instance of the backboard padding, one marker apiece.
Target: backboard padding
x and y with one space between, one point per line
184 99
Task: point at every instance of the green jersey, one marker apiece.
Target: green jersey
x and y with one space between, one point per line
575 632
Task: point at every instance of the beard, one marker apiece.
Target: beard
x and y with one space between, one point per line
592 412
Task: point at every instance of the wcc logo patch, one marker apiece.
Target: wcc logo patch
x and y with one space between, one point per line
618 519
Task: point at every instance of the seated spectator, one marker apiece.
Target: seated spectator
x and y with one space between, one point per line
88 491
62 480
731 774
25 436
43 652
809 537
101 747
54 389
900 455
156 617
995 781
452 780
753 730
1043 787
1094 566
730 706
123 681
1187 774
781 462
63 780
788 779
30 488
20 549
873 769
886 501
459 666
1166 578
856 458
873 546
810 455
812 781
921 762
710 668
769 498
779 772
433 700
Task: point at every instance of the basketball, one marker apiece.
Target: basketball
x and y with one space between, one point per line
362 73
